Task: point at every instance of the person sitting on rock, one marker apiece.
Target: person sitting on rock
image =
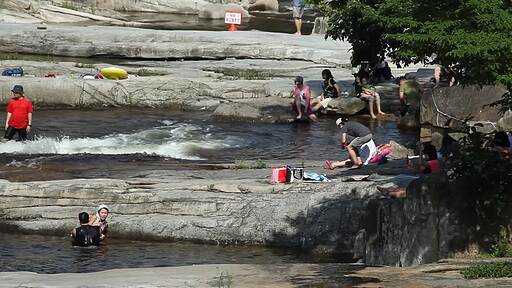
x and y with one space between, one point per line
443 76
353 136
100 220
86 235
382 71
431 165
501 144
330 90
371 96
301 103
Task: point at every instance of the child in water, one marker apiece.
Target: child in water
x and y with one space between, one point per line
100 219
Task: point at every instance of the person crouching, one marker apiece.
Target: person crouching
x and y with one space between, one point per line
353 136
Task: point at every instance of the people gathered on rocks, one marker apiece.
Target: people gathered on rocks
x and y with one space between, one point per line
353 136
330 90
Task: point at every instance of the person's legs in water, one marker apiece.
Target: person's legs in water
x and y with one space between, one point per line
313 117
22 134
9 133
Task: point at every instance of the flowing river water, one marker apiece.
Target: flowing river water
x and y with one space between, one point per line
121 142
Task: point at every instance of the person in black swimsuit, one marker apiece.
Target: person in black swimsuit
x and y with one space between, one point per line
85 235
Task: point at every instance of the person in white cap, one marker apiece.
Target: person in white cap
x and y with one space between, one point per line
100 219
353 136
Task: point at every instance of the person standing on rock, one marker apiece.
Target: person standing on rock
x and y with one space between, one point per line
19 115
301 103
410 95
298 11
86 235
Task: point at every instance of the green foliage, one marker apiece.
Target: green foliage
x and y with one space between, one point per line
482 182
503 247
472 37
260 164
488 270
244 74
504 104
70 5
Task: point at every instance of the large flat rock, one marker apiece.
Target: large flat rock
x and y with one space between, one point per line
90 41
226 206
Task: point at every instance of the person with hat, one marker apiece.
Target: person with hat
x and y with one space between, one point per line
353 136
19 115
301 103
100 220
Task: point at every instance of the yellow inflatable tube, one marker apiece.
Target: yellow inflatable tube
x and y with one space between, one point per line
114 73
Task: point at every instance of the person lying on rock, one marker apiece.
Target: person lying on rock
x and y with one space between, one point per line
100 220
430 165
353 136
86 235
301 103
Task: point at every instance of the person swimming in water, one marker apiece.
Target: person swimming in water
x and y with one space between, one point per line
86 235
100 220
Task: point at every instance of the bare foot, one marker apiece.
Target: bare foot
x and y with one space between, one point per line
297 33
373 116
381 113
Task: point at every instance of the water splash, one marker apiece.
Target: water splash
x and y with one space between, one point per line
176 140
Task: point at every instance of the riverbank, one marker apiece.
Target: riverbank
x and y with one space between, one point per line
438 275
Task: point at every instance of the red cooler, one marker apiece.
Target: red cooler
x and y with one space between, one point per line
278 175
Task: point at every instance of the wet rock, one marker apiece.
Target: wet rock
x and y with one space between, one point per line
459 103
400 151
345 106
411 119
505 122
268 110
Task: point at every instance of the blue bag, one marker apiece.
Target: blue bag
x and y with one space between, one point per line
13 72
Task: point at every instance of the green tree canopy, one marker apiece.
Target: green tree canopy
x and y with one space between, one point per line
471 36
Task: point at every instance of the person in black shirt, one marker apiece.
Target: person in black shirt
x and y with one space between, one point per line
353 136
85 235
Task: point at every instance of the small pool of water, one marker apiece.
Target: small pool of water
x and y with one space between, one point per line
49 254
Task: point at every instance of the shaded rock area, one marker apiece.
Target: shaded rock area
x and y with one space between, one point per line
413 230
450 106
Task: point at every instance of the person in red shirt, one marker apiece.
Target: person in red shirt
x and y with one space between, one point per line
19 115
